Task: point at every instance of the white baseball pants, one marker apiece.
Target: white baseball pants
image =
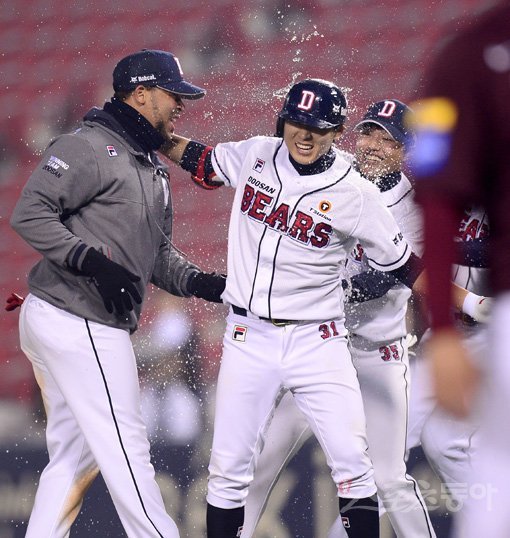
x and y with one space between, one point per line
385 391
89 384
319 373
384 377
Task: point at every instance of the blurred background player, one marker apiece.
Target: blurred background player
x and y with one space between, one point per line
460 160
78 210
167 349
298 211
449 442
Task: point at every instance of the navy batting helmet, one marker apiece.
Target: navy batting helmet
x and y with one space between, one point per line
315 103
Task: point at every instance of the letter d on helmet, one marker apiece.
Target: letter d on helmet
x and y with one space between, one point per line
315 103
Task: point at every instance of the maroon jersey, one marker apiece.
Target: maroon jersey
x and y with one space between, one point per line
461 152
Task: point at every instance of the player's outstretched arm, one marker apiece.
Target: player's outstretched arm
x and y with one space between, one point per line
373 284
175 149
476 306
194 157
13 301
368 285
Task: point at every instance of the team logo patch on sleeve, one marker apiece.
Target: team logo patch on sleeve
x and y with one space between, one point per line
239 333
112 152
55 166
259 165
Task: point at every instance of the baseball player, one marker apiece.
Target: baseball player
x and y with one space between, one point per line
300 209
449 442
467 112
98 209
377 343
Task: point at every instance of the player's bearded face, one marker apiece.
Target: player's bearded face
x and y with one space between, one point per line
377 153
307 144
165 109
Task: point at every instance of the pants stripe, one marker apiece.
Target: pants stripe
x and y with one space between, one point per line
415 485
117 428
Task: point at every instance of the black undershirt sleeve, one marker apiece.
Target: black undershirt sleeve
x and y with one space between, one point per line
410 271
373 284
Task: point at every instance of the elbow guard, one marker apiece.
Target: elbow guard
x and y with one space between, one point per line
197 160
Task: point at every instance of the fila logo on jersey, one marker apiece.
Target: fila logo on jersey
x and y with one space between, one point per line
344 487
388 109
259 165
239 532
303 228
112 152
239 333
345 522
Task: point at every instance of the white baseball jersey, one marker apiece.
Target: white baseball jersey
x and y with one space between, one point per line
288 239
398 195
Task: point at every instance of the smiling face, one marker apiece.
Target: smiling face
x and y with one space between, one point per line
306 144
165 108
160 108
377 152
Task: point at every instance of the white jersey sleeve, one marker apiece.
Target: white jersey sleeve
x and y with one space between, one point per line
376 228
228 159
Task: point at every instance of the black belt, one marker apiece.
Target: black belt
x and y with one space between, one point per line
278 322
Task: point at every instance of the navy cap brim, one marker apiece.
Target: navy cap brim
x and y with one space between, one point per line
307 119
390 129
183 89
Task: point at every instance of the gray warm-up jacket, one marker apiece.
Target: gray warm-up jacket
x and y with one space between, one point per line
93 189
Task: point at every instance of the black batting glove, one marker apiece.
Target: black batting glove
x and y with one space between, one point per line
208 286
113 282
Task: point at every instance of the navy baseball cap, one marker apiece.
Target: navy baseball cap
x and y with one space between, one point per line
390 114
154 68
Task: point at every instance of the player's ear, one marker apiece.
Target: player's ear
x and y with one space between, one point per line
140 94
339 132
